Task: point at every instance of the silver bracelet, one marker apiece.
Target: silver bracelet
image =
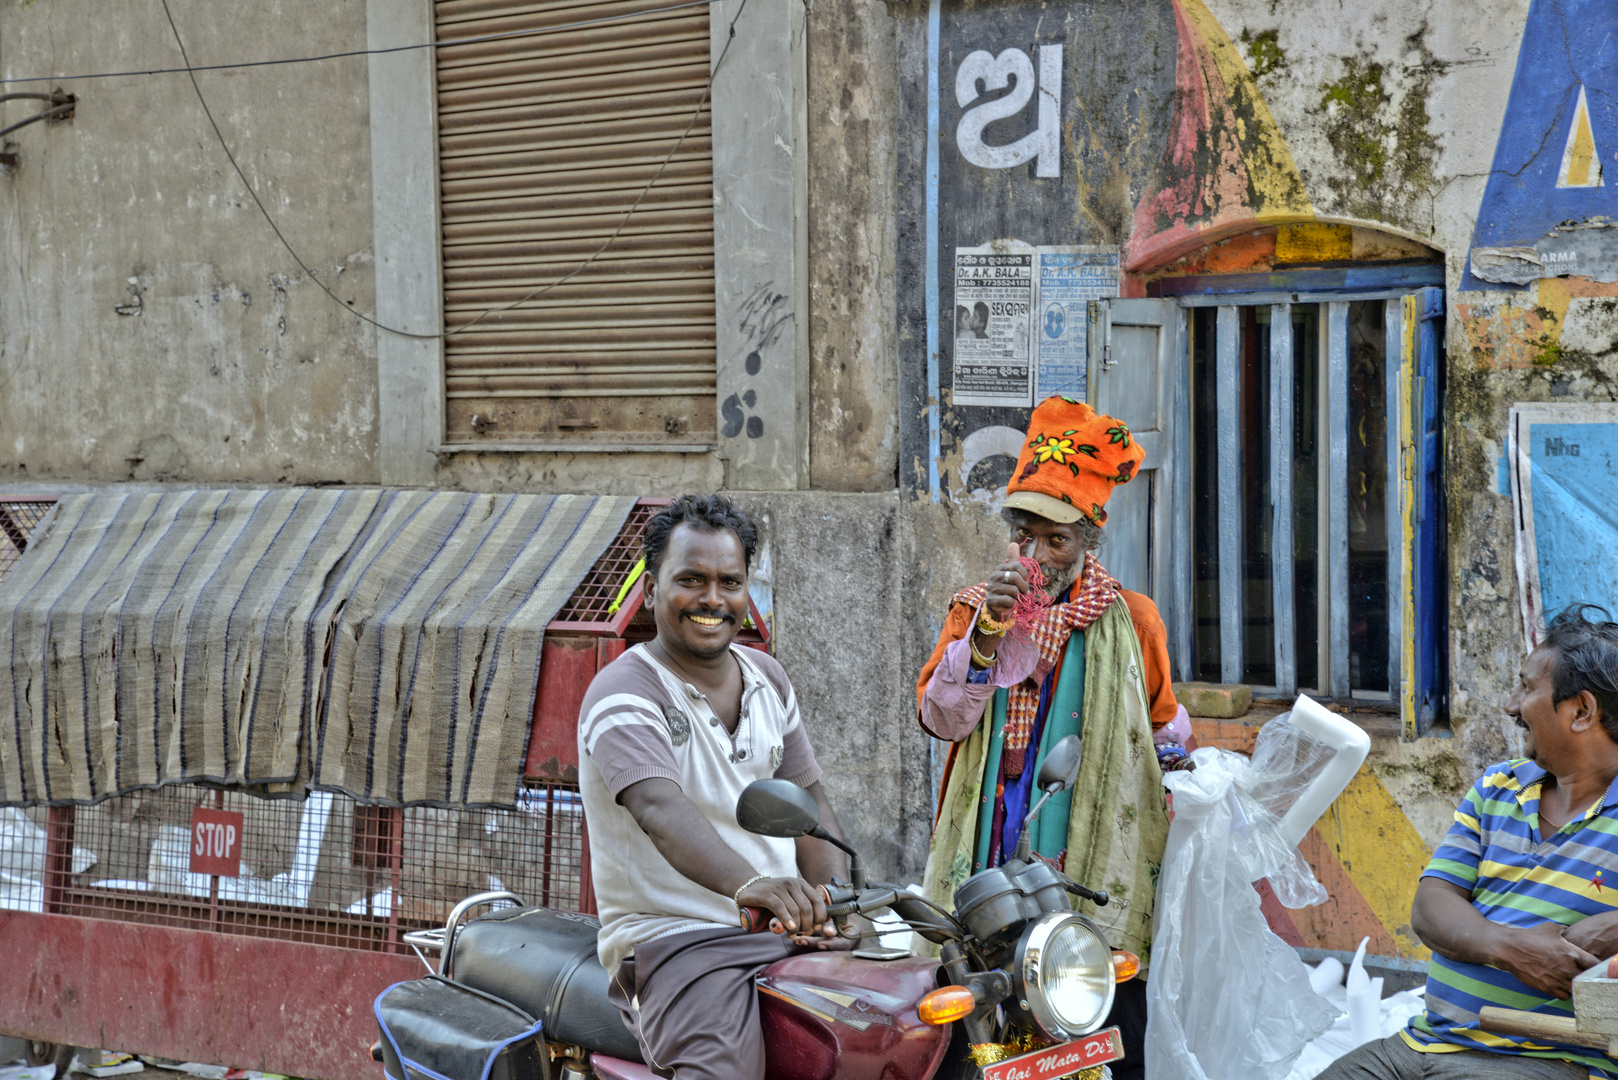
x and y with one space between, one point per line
736 898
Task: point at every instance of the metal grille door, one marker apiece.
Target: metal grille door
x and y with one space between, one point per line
545 143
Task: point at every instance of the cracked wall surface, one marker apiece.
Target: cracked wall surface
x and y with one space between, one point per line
151 325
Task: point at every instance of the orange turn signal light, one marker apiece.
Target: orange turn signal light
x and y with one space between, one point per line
1125 965
946 1005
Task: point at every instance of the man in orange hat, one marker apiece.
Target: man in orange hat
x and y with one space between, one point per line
1045 649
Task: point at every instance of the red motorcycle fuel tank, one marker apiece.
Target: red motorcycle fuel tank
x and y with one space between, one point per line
836 1016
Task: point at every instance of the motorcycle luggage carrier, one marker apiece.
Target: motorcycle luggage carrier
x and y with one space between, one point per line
441 939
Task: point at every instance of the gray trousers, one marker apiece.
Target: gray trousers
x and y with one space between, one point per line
690 999
1393 1059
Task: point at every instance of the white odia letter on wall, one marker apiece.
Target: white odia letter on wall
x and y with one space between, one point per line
997 72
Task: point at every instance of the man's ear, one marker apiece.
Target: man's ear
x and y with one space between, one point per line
1586 713
648 581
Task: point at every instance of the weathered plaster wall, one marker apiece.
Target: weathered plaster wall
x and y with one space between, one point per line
854 368
1390 110
232 365
841 605
1391 113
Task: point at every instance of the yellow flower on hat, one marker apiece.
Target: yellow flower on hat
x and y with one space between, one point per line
1056 450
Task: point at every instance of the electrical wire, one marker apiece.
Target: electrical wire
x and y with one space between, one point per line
60 110
696 115
504 35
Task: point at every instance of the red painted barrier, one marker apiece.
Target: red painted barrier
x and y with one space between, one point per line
254 1003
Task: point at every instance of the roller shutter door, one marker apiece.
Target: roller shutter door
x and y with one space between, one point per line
544 144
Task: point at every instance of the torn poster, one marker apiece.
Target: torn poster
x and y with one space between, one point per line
1564 487
994 296
1068 279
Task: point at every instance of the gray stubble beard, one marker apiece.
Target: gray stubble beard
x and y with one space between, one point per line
1055 587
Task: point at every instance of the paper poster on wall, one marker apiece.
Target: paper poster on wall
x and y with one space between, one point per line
1564 484
1067 279
994 299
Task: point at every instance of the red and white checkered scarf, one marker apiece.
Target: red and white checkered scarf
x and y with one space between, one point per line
1092 595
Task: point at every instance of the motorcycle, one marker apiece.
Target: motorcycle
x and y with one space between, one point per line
1019 991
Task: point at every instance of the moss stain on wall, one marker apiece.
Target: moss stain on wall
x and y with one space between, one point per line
1378 126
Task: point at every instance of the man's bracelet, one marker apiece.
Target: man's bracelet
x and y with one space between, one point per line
978 658
737 897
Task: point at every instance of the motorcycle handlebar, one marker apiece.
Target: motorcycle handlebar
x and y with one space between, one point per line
841 902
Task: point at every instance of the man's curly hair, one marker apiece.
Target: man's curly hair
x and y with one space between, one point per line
714 513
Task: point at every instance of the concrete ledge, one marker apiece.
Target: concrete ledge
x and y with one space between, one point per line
1222 701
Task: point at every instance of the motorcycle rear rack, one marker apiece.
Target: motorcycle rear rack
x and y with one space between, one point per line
442 939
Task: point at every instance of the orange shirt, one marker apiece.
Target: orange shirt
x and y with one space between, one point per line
1154 651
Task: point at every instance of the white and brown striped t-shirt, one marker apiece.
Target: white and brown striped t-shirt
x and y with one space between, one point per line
640 720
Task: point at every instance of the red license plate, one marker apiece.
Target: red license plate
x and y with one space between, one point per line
1054 1061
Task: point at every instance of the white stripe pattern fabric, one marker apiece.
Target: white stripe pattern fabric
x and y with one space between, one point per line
380 643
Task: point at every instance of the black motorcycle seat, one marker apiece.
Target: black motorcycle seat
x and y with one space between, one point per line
545 963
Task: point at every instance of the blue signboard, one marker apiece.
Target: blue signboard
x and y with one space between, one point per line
1575 488
1564 461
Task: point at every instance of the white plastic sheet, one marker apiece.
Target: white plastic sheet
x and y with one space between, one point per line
1228 1000
1391 1014
22 853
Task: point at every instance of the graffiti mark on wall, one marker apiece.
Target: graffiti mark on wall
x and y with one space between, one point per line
1545 213
1013 69
736 419
765 318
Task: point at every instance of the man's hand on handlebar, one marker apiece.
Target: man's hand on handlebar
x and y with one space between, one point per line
798 906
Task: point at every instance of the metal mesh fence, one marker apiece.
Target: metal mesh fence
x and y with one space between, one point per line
323 869
18 519
591 603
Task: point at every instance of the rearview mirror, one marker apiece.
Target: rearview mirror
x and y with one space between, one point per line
777 808
1061 766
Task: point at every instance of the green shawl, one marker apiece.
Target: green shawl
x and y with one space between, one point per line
1117 821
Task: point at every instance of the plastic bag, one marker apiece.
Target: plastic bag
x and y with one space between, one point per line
1227 999
1286 761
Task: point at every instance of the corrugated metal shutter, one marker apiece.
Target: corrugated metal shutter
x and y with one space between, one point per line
544 144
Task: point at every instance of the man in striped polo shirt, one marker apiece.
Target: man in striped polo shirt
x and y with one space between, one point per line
1522 895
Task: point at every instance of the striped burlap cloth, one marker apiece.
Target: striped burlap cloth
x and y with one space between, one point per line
381 643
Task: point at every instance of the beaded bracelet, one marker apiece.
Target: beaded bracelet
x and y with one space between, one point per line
737 897
992 628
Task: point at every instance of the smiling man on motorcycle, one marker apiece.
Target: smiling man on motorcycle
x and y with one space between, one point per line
1032 655
669 735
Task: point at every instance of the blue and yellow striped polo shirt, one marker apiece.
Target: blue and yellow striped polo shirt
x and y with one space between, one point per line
1516 878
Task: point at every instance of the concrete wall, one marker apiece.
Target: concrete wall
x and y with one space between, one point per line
853 136
227 362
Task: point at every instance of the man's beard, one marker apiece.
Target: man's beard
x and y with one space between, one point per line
1057 584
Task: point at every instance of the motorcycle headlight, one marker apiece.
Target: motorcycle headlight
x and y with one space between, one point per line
1064 974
